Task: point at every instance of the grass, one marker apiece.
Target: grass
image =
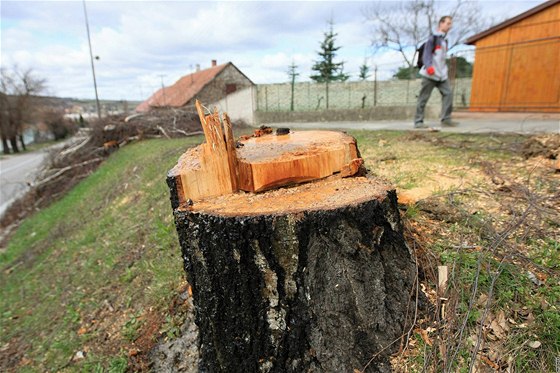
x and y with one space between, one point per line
96 272
94 263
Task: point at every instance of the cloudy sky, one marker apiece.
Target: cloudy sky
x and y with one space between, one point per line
141 43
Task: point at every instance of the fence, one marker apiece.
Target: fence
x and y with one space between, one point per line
309 96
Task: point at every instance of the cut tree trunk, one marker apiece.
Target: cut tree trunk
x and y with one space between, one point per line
221 166
315 277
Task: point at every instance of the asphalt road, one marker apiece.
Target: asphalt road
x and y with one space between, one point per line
16 172
512 124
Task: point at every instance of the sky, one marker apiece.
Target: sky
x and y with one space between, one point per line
142 44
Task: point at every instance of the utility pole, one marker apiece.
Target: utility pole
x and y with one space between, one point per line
375 86
163 90
292 74
91 58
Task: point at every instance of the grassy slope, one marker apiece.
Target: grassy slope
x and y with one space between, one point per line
97 269
109 244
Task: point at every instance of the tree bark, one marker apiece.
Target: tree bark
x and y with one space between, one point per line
13 142
22 142
304 290
5 146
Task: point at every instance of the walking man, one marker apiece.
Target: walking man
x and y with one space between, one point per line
434 75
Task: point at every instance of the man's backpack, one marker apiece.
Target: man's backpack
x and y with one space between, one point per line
420 51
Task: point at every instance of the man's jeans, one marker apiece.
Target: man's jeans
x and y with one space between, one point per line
426 90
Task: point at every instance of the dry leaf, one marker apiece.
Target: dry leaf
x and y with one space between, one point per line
490 363
425 336
534 344
499 326
82 331
501 318
482 299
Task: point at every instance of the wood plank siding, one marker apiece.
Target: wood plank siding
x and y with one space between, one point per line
517 67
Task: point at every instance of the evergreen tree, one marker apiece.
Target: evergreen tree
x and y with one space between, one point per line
406 73
364 71
292 74
463 70
326 69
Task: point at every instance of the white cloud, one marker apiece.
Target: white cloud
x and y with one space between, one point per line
139 41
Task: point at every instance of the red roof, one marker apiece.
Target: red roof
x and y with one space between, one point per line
184 89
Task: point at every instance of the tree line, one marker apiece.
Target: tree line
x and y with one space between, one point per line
21 105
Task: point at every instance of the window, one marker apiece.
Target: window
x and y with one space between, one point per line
230 88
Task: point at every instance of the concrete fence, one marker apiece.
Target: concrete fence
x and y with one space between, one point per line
350 95
349 101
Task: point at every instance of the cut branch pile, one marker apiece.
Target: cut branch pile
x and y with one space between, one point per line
81 155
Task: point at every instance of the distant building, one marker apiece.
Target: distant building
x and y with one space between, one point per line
517 63
208 86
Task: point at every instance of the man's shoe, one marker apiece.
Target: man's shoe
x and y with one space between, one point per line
449 123
420 125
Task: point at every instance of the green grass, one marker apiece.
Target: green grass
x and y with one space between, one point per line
110 240
86 273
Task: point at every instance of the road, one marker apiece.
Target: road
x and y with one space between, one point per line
16 172
468 123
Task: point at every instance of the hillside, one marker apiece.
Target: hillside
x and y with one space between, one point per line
87 105
95 281
93 271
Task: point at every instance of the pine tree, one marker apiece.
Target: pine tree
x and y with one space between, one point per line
292 74
328 70
364 71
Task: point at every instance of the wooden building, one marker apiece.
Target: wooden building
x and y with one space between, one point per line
517 63
208 85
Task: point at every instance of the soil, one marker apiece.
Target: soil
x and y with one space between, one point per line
178 354
547 146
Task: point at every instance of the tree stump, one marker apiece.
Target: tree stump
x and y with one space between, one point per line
313 277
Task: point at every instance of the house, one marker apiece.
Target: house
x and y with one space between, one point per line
517 63
208 86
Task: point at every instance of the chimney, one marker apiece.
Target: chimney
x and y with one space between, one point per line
214 63
197 67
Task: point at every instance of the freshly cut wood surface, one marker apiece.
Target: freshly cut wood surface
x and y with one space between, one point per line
325 194
265 161
271 160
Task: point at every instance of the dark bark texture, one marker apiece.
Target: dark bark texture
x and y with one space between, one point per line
315 291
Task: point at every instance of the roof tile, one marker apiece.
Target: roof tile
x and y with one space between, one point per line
182 91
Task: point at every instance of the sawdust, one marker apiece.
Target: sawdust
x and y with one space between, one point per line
330 193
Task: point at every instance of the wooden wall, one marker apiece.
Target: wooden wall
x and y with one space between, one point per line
518 67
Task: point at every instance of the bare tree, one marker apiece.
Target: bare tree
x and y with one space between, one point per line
403 26
4 122
18 91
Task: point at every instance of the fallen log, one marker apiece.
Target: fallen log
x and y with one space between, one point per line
307 277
